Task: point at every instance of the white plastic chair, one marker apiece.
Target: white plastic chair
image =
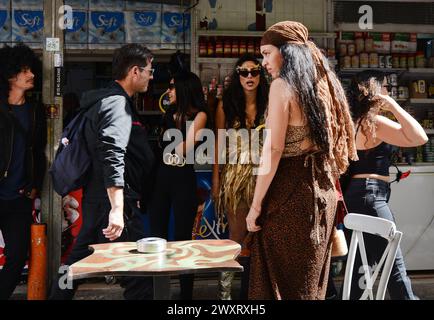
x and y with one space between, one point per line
386 229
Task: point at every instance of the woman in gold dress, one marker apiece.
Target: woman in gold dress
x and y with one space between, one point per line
239 113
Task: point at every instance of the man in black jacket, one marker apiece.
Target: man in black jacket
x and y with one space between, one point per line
107 131
23 136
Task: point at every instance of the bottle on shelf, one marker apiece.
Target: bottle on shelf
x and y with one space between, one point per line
251 46
202 47
219 47
243 47
235 48
227 47
211 48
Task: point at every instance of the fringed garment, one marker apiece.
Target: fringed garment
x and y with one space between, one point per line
237 180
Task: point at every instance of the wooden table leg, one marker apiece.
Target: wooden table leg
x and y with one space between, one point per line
162 288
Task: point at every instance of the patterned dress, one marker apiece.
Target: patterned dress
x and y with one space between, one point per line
290 256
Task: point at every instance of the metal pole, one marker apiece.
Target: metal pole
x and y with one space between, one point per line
51 206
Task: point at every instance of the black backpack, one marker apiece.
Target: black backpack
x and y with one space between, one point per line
72 162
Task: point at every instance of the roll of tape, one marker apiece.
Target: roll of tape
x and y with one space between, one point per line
151 245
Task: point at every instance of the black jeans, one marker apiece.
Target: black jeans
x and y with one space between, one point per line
95 219
15 221
370 197
175 188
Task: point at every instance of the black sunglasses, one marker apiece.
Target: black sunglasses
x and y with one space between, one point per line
245 72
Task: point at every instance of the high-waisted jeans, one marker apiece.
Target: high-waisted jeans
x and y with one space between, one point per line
371 197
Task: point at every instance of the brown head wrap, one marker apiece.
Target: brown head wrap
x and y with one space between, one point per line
339 124
285 32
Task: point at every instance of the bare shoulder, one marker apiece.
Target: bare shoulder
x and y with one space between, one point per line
280 88
201 116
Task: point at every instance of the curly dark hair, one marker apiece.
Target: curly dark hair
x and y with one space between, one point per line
362 93
299 71
234 100
13 61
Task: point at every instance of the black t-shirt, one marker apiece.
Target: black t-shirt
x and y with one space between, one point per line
11 185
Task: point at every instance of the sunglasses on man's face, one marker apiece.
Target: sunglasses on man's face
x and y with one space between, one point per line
245 72
150 71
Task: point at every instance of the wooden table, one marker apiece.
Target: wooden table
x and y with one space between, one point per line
181 257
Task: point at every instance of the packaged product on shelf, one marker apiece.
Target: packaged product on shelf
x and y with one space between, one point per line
227 48
418 89
381 42
431 91
395 61
403 61
393 79
347 62
251 46
364 60
145 26
406 93
202 47
360 43
401 92
243 47
107 28
176 27
355 63
389 64
351 48
411 60
235 50
412 46
28 22
343 49
346 37
420 59
404 42
369 44
210 48
427 123
219 47
394 92
381 61
373 60
5 22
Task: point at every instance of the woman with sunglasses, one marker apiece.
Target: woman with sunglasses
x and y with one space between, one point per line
309 141
368 190
242 107
175 186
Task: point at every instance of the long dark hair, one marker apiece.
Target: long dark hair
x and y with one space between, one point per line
234 100
364 105
13 61
189 96
299 71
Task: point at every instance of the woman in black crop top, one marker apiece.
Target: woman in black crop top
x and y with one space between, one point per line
175 186
368 191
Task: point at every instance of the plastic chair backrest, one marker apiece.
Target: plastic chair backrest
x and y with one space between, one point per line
386 229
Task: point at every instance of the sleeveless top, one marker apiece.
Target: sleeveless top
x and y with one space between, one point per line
375 160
